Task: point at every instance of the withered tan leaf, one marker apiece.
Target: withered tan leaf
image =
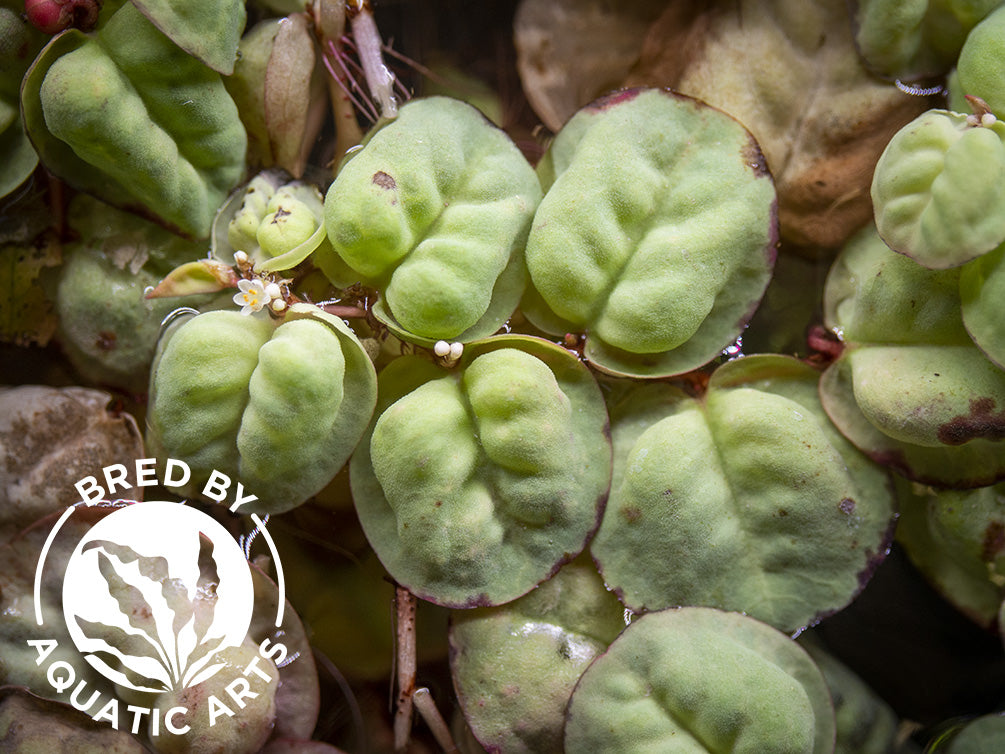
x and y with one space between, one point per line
789 71
295 97
28 723
571 51
49 439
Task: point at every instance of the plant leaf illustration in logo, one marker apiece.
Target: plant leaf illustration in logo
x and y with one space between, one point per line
166 645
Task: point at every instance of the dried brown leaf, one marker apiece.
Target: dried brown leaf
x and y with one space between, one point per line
49 439
28 723
570 51
294 95
790 72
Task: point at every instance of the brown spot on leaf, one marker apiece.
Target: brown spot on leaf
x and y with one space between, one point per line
847 506
384 180
782 513
993 542
106 340
979 423
280 214
631 514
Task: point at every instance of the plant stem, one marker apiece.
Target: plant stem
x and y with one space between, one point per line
404 602
427 708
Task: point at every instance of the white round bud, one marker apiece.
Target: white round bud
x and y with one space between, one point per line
988 119
456 349
272 290
442 348
240 257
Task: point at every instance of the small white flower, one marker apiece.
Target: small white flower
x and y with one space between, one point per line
252 296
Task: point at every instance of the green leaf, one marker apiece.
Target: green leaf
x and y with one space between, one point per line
19 43
128 116
278 224
17 155
434 212
937 189
985 733
875 296
514 666
701 680
977 462
473 486
107 327
210 32
957 540
982 54
915 39
982 289
911 389
657 237
757 501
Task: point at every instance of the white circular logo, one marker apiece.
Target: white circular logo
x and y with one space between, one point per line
153 592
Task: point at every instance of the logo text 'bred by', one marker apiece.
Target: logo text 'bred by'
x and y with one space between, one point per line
176 474
157 598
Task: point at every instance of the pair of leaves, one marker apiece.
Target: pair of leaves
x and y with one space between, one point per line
476 485
106 112
656 235
912 389
434 211
278 408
